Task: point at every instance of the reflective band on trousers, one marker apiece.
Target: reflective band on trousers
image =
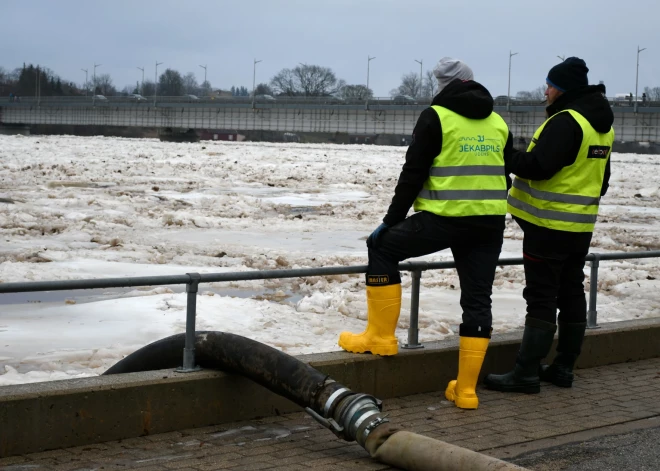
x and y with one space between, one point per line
554 215
467 170
555 197
463 194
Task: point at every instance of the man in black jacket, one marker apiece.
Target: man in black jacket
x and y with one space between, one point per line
554 199
454 177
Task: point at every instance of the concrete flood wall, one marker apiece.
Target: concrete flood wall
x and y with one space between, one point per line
268 119
15 129
44 416
643 126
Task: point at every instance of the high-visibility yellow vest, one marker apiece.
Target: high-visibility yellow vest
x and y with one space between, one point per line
569 200
467 177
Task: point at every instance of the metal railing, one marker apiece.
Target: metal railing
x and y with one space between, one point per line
192 281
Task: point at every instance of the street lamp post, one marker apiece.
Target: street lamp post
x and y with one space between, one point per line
86 87
142 84
254 78
204 67
637 75
508 94
369 59
36 86
156 82
420 75
94 80
304 83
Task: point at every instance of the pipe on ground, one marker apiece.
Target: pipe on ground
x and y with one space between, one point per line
415 452
349 415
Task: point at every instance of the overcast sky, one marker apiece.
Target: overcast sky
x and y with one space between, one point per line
67 35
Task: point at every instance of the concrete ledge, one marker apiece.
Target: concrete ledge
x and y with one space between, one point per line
58 414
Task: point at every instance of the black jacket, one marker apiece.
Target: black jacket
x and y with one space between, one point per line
557 147
469 99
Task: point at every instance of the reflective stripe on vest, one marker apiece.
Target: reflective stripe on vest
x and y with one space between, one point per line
555 197
467 177
569 200
463 194
466 170
556 215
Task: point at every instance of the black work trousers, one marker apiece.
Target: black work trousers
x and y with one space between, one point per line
554 280
475 242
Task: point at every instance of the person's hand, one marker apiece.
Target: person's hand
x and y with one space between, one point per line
373 239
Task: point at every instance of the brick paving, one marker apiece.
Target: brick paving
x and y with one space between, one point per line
600 397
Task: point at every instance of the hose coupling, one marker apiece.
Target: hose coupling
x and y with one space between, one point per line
355 414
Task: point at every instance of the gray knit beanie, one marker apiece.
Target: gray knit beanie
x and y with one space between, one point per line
448 69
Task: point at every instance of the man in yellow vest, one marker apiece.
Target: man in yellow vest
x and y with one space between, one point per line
554 198
454 178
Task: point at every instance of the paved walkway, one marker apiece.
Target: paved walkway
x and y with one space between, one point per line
504 425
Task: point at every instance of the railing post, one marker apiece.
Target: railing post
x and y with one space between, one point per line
592 313
413 330
189 350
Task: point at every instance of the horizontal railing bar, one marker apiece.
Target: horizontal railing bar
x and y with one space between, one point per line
623 255
271 274
29 286
32 286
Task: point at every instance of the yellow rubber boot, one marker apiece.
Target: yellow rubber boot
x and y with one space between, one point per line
462 391
383 309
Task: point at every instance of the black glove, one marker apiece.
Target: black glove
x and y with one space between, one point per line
373 239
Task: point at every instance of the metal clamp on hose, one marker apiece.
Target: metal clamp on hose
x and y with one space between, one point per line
354 411
364 433
335 397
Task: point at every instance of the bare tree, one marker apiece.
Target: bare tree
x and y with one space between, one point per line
102 85
263 89
285 83
148 88
410 85
538 94
307 80
15 74
190 85
205 88
356 92
86 88
430 87
652 94
4 81
315 80
170 83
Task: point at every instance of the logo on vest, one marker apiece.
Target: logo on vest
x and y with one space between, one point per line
598 152
478 145
477 138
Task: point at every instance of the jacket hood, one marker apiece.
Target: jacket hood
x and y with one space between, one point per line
590 102
467 98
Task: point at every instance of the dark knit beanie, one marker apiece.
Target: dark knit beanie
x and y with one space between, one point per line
571 73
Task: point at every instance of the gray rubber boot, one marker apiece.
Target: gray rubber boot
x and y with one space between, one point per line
569 346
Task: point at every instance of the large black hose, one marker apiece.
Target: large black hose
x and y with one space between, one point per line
350 415
273 369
